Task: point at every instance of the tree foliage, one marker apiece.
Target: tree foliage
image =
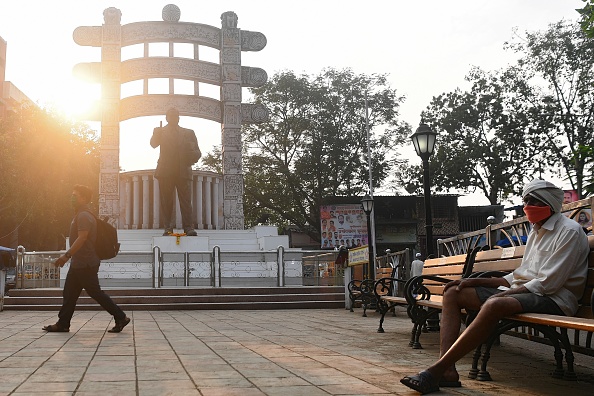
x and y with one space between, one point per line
562 57
534 118
482 136
41 157
587 17
314 145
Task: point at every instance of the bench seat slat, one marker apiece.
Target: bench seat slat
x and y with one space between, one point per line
572 322
499 265
442 261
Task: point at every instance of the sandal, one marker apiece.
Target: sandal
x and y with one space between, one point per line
423 382
119 325
56 328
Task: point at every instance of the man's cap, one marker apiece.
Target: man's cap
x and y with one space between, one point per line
545 192
418 255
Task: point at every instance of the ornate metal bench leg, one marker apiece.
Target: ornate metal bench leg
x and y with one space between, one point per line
417 335
412 335
384 310
473 373
570 374
483 374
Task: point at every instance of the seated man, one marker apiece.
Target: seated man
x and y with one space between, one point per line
550 280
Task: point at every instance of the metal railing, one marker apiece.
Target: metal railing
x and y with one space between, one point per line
216 268
509 233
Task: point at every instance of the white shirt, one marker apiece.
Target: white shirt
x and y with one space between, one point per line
416 268
555 262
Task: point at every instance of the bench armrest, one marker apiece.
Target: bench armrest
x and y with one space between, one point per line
385 286
415 289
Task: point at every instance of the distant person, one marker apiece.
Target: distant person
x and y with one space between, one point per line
550 280
179 151
416 267
84 266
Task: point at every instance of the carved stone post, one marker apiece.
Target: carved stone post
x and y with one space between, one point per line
111 49
231 127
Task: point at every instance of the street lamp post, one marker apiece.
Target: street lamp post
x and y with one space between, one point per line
367 203
424 142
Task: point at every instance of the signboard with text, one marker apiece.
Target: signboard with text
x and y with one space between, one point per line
359 255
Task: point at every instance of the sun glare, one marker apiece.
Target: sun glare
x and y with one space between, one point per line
79 100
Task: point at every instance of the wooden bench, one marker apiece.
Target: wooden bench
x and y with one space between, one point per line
548 329
423 294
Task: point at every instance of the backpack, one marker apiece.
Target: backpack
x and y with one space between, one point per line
107 245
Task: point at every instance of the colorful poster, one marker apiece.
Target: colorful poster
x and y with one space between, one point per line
343 225
569 196
584 216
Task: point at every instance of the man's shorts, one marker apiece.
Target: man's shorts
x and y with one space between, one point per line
530 302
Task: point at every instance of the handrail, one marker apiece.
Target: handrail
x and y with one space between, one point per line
216 267
512 230
156 266
280 263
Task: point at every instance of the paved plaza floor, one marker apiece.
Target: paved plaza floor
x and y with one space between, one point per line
244 353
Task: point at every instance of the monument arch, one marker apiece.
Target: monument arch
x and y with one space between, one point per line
229 74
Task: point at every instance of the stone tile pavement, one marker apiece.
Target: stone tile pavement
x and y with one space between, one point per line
245 353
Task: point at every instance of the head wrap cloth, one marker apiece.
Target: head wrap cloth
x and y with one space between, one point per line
546 192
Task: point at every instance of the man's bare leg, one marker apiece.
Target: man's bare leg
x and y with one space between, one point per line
452 350
453 302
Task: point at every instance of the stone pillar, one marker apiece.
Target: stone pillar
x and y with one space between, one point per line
199 202
230 57
128 204
145 202
111 49
215 204
208 202
136 203
156 204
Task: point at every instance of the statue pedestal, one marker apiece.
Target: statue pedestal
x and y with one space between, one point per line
182 243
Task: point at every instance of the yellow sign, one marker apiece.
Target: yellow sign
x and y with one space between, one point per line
359 255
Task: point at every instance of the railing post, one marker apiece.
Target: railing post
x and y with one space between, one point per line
156 261
216 267
280 264
186 269
19 268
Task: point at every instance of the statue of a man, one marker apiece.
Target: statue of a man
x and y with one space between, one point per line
179 151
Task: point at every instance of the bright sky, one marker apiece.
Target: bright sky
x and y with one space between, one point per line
426 47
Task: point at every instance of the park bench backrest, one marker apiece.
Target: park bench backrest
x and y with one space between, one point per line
386 272
508 259
451 267
585 310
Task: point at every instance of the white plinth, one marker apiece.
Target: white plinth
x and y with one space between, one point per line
182 243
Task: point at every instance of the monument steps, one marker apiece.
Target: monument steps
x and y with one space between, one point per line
187 298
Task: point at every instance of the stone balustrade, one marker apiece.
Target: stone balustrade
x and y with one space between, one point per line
140 202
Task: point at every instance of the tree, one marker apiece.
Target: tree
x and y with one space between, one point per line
481 139
314 146
562 57
587 17
41 157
